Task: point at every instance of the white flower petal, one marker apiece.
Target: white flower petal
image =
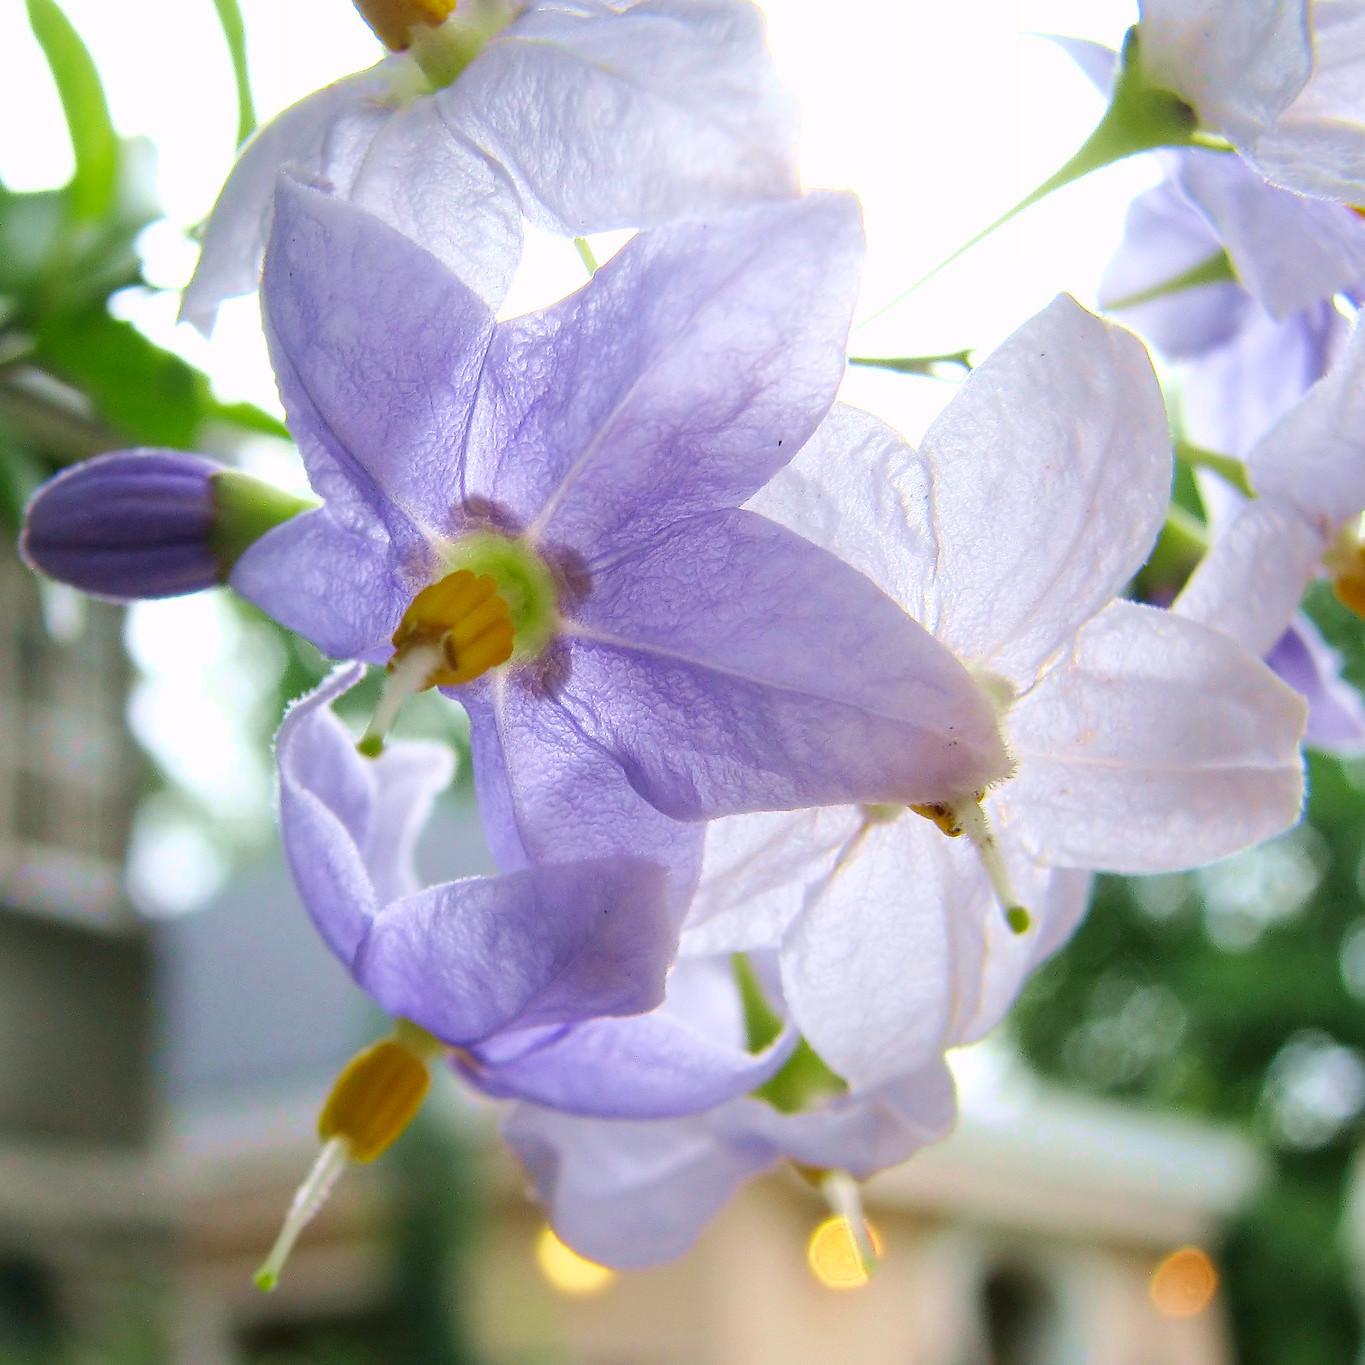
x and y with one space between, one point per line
1050 473
608 117
1158 744
1249 583
322 137
1240 63
755 872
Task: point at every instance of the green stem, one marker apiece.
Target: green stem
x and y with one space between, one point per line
1216 270
585 254
1139 119
1233 470
914 364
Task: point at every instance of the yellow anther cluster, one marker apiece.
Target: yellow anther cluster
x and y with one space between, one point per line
943 816
1349 587
467 618
374 1099
394 20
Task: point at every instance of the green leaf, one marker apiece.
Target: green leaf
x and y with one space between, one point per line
230 17
150 395
91 191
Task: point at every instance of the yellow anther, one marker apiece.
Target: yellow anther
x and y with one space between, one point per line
466 617
1349 588
374 1099
371 1103
394 20
942 815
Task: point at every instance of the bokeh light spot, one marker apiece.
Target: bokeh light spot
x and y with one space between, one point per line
1184 1283
832 1254
566 1270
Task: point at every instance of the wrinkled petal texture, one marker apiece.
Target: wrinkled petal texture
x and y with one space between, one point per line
609 117
695 364
548 794
340 586
551 944
1049 478
1318 146
422 177
1157 744
1240 63
349 824
378 350
873 968
321 137
756 870
732 666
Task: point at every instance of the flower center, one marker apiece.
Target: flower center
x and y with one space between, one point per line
499 602
371 1103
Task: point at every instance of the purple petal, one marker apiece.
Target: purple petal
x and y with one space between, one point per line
1233 395
631 1194
343 588
128 525
696 363
1336 714
1097 63
330 813
1164 237
1254 221
549 794
612 117
548 945
652 1067
378 350
732 666
687 1056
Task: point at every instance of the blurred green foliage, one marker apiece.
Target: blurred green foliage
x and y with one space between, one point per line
1238 994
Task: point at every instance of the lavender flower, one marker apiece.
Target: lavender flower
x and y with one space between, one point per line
583 116
547 510
517 980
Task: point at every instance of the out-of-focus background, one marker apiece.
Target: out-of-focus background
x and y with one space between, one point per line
1155 1162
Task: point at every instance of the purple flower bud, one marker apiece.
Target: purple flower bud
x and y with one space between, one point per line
147 523
127 525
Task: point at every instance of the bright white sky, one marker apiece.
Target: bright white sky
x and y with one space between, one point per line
939 115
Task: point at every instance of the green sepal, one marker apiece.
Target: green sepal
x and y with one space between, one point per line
245 508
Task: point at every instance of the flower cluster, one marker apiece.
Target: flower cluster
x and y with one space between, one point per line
795 746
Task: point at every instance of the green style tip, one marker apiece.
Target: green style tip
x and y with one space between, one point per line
370 745
265 1280
1018 919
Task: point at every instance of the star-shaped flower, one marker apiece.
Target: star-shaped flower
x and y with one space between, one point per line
1142 742
582 117
548 509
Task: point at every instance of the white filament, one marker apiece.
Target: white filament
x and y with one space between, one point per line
411 670
308 1199
845 1200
